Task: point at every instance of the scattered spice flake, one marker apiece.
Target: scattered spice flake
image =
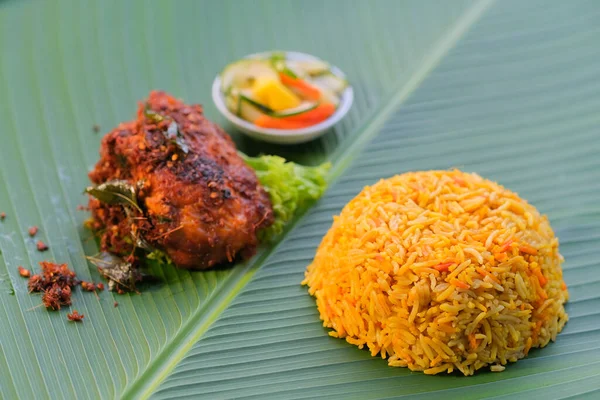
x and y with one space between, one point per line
25 273
96 128
75 316
58 273
100 286
33 231
88 286
41 246
116 304
36 283
2 216
55 283
56 296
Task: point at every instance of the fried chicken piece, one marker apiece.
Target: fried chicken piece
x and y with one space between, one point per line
200 203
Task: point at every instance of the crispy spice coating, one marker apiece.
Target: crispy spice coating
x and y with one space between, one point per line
200 203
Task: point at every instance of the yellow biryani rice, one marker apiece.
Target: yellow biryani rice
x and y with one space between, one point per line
440 271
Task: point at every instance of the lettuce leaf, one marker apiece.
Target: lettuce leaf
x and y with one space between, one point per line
290 187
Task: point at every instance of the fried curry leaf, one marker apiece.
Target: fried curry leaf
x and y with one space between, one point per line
175 136
121 275
152 115
172 133
115 192
290 187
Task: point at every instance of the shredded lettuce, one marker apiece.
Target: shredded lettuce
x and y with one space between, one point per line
159 256
290 187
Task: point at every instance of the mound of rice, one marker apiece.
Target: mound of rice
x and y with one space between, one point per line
440 270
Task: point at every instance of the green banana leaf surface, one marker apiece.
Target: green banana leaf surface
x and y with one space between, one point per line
508 89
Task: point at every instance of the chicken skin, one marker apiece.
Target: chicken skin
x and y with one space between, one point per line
198 201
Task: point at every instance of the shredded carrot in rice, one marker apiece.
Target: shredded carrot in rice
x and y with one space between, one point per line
460 284
541 278
506 245
525 248
444 266
472 341
437 271
484 273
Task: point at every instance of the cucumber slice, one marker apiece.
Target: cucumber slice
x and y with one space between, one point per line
327 95
280 64
331 81
242 74
301 109
231 101
250 109
312 67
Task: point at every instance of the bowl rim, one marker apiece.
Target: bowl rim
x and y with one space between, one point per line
346 100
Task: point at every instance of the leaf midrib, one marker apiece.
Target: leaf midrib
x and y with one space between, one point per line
199 322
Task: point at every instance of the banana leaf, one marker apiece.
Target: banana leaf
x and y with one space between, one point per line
507 89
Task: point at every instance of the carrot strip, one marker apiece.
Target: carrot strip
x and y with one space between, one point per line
443 266
563 285
308 90
472 341
527 249
541 278
317 114
484 273
266 121
506 245
460 284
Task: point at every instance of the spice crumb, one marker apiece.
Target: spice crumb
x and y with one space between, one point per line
80 208
41 246
116 304
89 286
36 283
2 216
75 316
96 128
100 286
33 231
25 273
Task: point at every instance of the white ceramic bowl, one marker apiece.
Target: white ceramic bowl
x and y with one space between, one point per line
285 136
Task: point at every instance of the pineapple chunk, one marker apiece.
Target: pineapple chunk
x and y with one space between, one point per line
274 94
